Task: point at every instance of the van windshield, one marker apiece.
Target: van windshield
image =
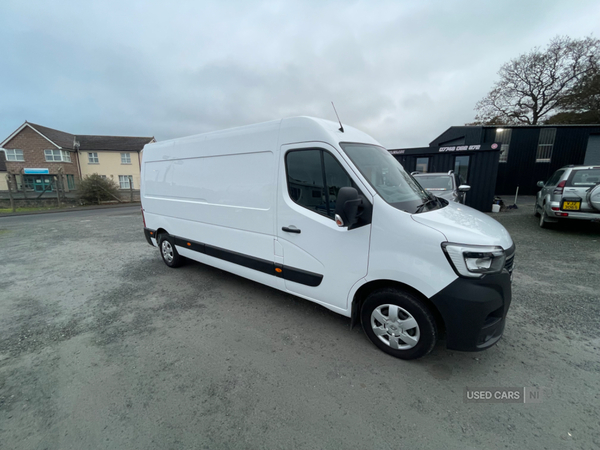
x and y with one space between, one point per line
389 179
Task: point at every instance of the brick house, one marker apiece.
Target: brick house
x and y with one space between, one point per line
35 155
3 185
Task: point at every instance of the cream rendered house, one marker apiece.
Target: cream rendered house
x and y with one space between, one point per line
117 158
35 156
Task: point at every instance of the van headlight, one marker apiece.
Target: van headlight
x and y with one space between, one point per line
474 261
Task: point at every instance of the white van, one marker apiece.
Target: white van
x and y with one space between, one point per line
327 214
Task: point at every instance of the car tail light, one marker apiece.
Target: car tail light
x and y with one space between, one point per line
562 214
555 208
559 187
143 218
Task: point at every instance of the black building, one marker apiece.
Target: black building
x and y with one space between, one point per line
476 165
504 157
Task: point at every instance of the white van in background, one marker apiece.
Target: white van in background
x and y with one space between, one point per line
327 214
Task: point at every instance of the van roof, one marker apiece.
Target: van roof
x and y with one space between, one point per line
261 136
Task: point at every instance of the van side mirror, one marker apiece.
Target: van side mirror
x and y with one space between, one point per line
464 188
346 207
540 184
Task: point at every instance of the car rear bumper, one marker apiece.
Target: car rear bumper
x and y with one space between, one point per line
474 311
577 215
554 212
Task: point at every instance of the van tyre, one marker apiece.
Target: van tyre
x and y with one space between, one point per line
168 252
398 323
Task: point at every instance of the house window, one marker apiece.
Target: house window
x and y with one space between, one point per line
503 136
545 145
57 155
92 158
125 158
124 181
14 155
422 165
70 182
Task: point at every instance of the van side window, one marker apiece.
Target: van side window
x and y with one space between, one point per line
336 178
308 172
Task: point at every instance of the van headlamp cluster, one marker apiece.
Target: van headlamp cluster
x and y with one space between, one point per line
475 261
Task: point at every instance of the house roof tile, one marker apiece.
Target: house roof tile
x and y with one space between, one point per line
92 142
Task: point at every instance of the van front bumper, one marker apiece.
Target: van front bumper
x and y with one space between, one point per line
474 311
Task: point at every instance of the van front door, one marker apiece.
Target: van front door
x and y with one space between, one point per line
321 261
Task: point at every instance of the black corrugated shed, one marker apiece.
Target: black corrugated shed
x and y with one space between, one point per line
521 167
481 176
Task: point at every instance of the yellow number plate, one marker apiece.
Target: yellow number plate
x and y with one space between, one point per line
572 206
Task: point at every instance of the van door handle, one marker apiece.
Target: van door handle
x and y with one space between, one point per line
291 230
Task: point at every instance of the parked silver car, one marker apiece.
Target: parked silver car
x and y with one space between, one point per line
445 185
572 192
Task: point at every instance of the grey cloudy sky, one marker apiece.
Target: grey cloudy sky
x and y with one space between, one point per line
402 71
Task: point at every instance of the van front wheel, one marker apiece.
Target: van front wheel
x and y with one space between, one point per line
398 323
169 253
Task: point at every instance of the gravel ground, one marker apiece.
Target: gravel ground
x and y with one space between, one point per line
104 347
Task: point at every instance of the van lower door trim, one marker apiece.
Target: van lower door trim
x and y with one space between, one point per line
262 265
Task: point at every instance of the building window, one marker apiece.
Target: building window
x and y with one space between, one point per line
503 136
70 182
545 145
461 168
92 158
57 155
125 158
14 155
422 165
124 181
38 183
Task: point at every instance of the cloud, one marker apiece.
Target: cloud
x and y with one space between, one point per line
400 71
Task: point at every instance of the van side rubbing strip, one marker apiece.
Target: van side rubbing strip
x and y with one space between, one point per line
262 265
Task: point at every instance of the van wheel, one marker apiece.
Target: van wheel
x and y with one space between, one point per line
398 323
169 254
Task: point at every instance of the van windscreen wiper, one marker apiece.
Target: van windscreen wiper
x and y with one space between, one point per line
425 203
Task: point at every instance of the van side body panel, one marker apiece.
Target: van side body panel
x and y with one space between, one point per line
409 252
217 188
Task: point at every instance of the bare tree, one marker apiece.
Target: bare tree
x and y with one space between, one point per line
534 84
582 105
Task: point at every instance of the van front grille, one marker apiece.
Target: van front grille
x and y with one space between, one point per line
510 263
